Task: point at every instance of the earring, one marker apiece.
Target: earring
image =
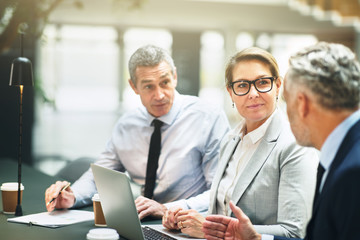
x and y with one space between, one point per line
233 105
277 98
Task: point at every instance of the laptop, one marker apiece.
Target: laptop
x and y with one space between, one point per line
119 208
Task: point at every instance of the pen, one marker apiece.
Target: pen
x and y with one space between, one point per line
65 187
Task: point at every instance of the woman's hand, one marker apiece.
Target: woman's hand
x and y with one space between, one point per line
190 222
169 218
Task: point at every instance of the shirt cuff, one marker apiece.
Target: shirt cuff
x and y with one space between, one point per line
267 237
179 203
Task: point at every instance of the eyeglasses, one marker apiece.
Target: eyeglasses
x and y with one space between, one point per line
242 87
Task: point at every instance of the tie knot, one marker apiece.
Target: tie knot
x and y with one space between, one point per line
157 123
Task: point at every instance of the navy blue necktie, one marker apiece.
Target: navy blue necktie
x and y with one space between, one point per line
153 158
320 173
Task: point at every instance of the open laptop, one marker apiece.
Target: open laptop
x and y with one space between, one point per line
119 208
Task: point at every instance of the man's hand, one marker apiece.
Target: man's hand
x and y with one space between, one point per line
222 227
148 207
65 200
169 219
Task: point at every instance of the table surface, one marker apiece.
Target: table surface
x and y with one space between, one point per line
35 183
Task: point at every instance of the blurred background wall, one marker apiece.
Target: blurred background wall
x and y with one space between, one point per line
80 50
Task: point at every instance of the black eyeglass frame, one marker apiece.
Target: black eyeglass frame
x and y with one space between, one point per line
253 82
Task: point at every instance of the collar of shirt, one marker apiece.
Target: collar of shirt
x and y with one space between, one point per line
334 140
255 135
170 117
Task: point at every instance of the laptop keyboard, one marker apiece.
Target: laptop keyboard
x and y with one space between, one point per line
152 234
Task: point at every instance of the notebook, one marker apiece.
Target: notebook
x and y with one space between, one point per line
119 208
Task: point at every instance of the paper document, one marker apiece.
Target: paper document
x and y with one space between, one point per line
55 219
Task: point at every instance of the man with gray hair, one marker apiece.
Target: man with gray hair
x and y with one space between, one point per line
322 92
188 130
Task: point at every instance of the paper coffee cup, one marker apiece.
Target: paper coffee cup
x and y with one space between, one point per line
9 192
98 212
102 234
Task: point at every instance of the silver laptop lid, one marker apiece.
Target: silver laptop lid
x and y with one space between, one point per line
117 202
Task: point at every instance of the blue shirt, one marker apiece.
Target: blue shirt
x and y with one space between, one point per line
191 136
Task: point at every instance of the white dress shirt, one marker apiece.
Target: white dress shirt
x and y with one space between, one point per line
191 137
243 153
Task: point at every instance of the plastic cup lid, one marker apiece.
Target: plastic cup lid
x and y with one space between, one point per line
96 197
102 234
11 186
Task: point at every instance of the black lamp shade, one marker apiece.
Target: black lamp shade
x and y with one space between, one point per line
21 72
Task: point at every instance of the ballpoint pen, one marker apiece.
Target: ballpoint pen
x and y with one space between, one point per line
65 187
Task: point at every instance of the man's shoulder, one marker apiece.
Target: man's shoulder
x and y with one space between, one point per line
353 133
194 103
135 116
351 155
349 150
279 129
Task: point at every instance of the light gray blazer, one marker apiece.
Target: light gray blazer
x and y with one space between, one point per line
276 188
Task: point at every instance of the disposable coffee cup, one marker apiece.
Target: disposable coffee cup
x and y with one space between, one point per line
102 234
9 192
98 212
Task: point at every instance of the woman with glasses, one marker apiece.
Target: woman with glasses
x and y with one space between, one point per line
261 169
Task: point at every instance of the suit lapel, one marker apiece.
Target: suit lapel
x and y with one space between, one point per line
260 156
228 152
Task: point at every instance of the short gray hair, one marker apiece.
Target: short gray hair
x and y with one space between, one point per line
330 71
149 55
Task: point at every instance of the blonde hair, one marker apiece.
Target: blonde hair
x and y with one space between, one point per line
251 53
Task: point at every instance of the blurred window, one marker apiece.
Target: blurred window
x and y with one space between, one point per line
78 69
212 54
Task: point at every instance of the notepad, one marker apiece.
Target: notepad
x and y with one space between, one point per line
55 219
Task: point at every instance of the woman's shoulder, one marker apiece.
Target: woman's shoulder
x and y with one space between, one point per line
287 146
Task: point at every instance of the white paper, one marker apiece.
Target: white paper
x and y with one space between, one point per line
55 219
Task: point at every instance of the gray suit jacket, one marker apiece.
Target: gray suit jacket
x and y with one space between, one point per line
276 188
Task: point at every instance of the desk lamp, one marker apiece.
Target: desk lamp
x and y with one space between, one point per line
21 75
